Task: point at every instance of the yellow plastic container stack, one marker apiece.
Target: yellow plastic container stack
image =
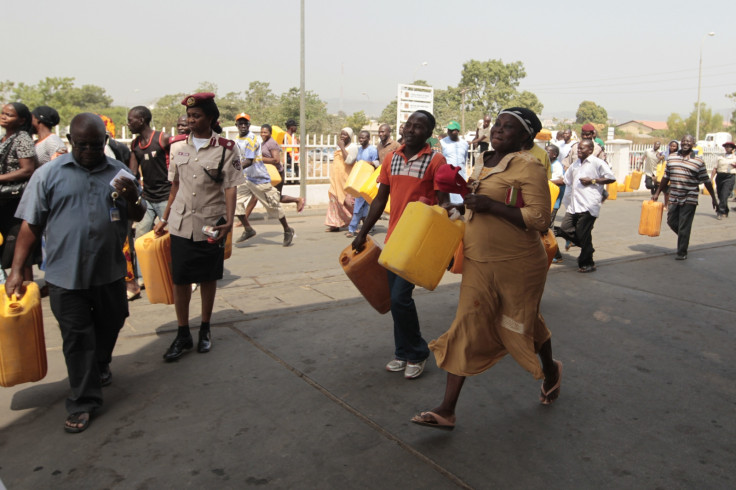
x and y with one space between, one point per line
650 223
554 192
22 344
369 189
620 187
627 183
635 182
612 191
361 172
422 244
368 276
154 259
278 135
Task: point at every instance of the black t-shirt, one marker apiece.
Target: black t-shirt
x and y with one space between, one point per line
153 163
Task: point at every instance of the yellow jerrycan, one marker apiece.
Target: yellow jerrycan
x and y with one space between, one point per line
360 172
612 189
635 180
660 171
154 259
554 193
22 344
369 189
627 183
650 222
229 245
368 276
274 174
422 244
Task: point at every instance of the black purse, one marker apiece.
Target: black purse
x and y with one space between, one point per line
10 190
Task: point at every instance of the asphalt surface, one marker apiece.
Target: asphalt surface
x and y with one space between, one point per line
294 393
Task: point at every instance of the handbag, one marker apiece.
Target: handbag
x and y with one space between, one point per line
10 190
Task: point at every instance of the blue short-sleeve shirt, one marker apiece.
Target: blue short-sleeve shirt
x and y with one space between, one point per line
84 247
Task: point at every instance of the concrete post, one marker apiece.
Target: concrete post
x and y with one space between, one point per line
618 152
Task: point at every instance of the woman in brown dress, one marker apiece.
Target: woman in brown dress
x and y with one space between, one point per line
504 270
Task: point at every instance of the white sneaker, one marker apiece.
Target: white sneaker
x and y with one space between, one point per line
414 370
396 365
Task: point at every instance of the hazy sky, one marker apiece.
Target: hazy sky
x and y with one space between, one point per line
638 59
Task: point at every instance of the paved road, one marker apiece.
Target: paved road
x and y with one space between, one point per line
294 395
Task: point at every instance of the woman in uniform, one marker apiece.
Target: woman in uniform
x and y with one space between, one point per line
204 171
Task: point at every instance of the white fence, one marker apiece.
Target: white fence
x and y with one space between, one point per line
636 153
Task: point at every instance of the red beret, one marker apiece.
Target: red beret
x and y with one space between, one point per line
588 127
196 99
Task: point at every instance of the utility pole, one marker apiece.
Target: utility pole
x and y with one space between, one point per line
303 160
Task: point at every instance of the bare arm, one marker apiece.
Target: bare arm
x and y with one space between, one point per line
159 228
27 238
133 163
27 166
374 213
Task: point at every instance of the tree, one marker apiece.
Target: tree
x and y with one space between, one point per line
492 85
259 101
167 110
315 110
733 114
357 121
677 127
61 94
590 112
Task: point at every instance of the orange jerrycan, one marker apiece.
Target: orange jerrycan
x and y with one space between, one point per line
22 344
635 180
550 245
369 189
154 259
368 276
651 218
612 191
422 244
554 193
229 245
361 172
458 259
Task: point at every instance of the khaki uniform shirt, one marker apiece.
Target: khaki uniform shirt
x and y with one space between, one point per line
726 164
200 200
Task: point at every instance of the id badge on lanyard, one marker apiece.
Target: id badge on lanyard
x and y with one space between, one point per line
114 211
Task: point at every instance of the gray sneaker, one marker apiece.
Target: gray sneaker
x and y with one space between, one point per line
249 233
414 370
396 365
288 237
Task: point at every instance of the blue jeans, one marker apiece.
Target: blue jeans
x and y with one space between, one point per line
409 344
360 211
145 225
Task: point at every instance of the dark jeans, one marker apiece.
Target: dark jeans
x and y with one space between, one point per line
680 220
89 320
409 344
724 188
578 228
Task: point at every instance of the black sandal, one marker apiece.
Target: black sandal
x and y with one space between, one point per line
76 419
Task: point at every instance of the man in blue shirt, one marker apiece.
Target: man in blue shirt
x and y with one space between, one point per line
455 150
369 153
85 215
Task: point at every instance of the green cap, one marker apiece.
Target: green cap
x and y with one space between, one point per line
453 125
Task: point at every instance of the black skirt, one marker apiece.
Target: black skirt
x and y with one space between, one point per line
195 261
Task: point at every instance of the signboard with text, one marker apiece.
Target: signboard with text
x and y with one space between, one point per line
412 98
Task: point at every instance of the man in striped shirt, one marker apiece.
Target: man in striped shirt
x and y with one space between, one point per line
684 173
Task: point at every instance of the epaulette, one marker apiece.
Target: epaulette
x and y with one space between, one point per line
229 144
178 137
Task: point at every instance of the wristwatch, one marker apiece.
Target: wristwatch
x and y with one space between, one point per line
593 181
138 201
